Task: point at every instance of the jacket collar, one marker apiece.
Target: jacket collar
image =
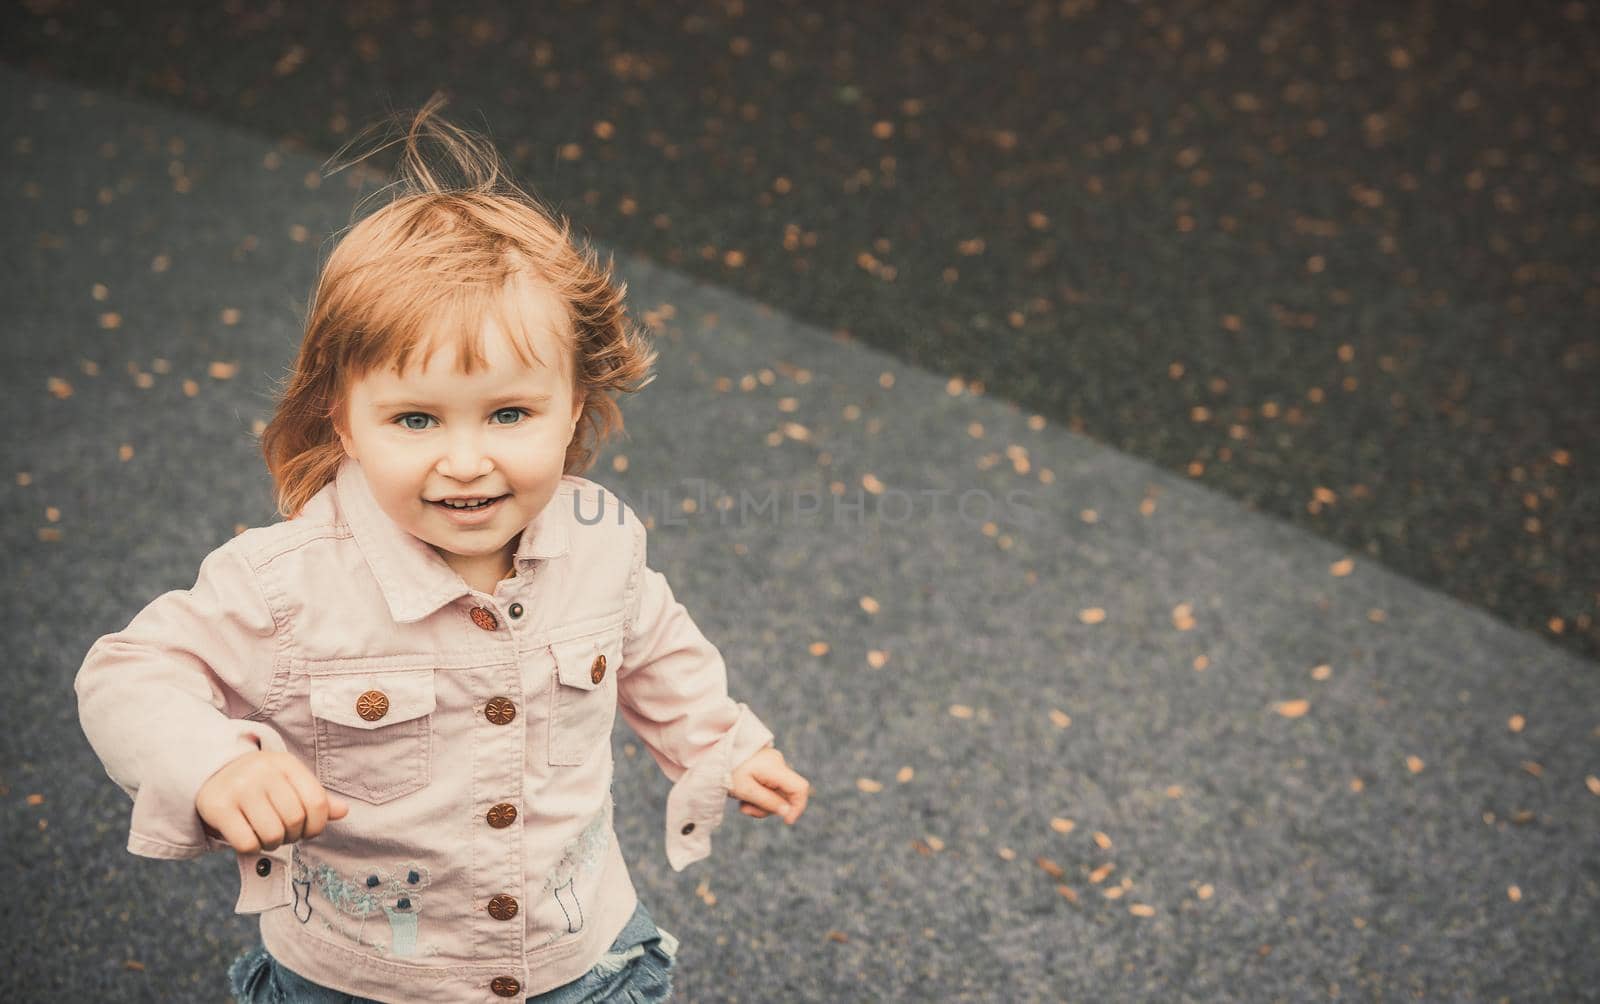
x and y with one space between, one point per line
414 579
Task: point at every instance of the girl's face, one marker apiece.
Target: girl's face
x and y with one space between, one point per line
435 433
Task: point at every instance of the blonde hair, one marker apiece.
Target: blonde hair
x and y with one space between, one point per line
429 267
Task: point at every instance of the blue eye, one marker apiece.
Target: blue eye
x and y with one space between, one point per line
405 420
509 411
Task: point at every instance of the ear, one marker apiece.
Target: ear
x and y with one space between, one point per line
578 398
343 433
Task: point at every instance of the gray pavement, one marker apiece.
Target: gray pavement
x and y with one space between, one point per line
1058 758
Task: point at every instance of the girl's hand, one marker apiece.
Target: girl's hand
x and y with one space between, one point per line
265 799
764 784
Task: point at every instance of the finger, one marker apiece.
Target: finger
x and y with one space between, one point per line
286 803
765 798
313 799
751 810
235 829
798 796
264 820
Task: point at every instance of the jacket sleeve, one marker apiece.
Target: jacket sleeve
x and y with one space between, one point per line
166 702
673 692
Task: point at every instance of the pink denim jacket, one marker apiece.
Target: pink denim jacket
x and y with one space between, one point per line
470 733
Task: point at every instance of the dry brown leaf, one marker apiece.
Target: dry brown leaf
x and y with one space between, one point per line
960 711
1093 615
1102 841
877 657
1414 764
1516 722
904 774
1205 891
1342 567
1141 910
818 648
1049 867
869 604
1059 718
1061 825
1292 709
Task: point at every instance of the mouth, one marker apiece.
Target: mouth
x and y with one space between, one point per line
470 507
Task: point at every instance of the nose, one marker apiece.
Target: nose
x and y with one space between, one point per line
464 458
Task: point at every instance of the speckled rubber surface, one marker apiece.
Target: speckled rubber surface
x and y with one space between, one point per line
1115 737
1335 260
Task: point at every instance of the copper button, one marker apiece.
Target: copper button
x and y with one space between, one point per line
372 705
505 986
500 710
502 815
485 618
597 672
503 907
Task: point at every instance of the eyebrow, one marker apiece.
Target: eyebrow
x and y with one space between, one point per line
497 402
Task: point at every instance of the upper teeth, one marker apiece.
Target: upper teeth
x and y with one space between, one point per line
463 503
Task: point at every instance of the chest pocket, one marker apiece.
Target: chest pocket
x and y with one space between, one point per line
583 696
374 732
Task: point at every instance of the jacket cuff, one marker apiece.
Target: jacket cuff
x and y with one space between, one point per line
697 801
165 823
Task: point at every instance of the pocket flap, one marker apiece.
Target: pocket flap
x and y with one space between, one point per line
372 701
579 662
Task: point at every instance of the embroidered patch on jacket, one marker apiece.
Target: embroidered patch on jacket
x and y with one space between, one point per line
582 853
395 893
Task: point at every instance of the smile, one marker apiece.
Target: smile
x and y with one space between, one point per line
472 514
469 505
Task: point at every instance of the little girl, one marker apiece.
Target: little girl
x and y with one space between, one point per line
396 706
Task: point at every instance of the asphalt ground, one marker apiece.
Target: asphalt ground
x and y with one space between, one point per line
1336 261
1079 728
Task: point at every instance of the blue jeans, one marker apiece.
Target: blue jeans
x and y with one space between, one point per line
637 969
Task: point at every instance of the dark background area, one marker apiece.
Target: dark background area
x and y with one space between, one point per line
1334 260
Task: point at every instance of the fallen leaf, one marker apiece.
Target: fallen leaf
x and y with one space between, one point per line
1292 709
